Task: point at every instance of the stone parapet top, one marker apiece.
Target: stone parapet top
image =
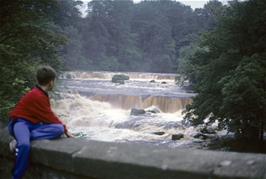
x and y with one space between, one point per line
87 158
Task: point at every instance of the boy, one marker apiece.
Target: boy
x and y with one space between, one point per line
33 119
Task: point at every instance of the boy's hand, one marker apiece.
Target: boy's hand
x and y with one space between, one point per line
69 135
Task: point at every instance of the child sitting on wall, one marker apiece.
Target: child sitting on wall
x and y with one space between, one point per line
33 119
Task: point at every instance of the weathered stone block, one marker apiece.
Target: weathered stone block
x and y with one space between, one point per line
77 159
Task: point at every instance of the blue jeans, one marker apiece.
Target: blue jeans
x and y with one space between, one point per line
24 132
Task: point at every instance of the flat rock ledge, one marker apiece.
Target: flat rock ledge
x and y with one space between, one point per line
71 158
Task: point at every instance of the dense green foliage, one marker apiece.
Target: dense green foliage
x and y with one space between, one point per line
122 36
28 37
227 68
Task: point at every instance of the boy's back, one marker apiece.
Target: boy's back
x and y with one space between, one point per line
35 107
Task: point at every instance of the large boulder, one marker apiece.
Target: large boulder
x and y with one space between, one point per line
136 112
177 136
120 78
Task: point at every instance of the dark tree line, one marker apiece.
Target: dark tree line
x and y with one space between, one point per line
122 36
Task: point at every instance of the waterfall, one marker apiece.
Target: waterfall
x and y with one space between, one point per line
164 103
91 104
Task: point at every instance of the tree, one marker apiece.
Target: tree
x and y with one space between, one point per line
244 97
68 18
28 37
227 69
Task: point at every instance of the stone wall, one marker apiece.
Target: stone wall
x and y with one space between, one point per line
75 158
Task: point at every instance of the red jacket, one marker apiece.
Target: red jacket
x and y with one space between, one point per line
35 107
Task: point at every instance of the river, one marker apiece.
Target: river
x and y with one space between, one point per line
97 109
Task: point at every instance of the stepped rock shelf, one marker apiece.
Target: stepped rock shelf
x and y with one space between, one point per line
76 158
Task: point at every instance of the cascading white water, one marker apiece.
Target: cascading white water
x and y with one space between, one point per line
102 121
88 105
81 111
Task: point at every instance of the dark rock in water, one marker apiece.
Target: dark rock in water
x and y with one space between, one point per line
120 78
68 76
200 136
135 111
163 82
208 130
152 81
159 133
153 109
177 136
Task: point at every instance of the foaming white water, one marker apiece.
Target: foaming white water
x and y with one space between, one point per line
101 121
100 109
78 110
